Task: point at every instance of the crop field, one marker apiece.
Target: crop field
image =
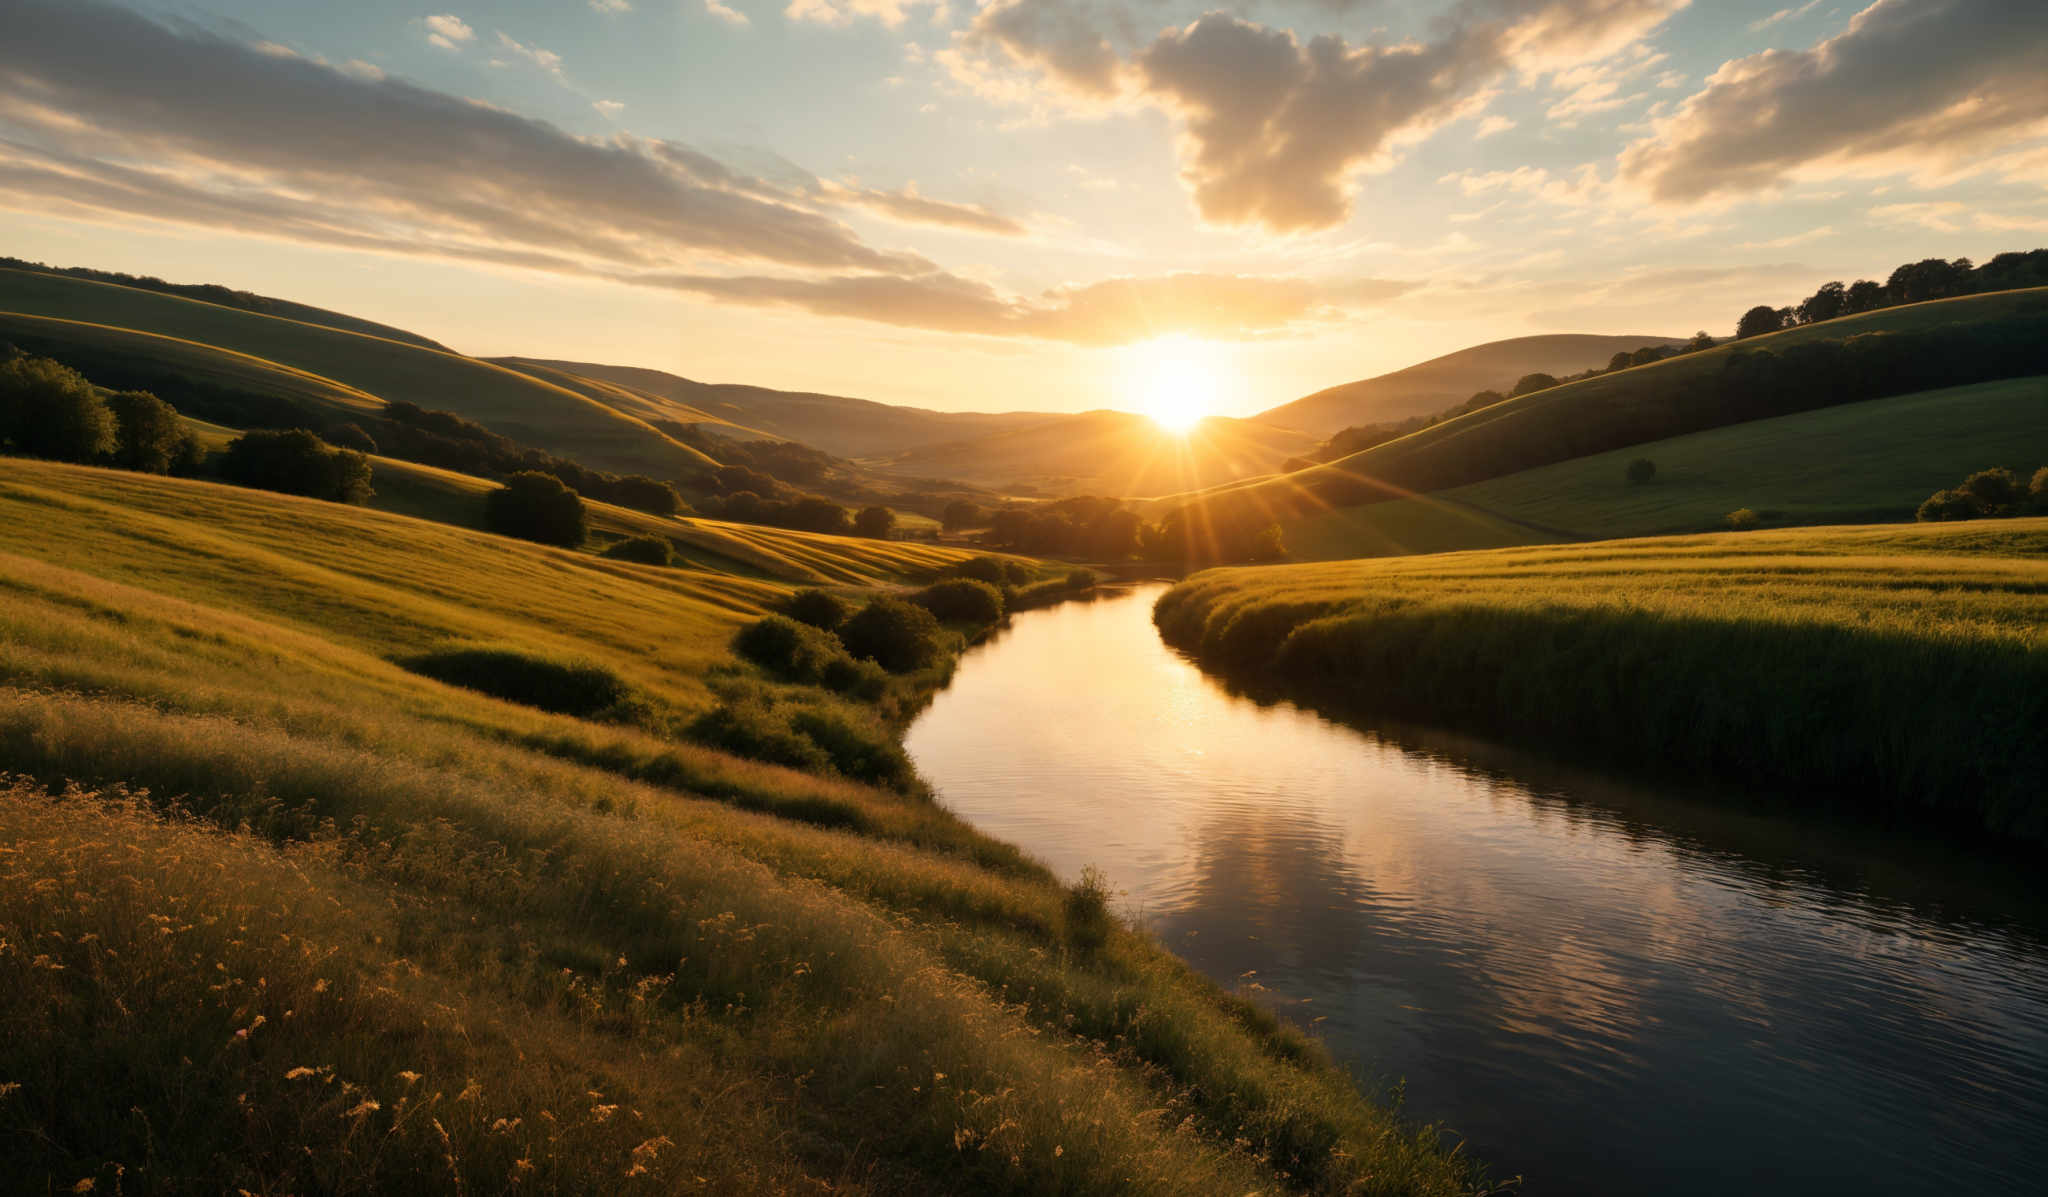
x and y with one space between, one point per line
1860 461
505 401
1901 668
278 912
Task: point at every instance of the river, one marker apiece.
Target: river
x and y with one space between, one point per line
1605 987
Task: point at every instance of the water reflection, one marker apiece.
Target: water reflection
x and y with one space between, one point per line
1606 988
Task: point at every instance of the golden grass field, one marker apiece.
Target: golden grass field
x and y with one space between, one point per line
1900 669
277 914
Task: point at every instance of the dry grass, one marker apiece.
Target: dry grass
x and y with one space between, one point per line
398 934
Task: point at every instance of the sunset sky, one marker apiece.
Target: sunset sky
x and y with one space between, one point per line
1001 207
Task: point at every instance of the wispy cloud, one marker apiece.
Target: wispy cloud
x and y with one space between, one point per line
1783 15
730 16
448 31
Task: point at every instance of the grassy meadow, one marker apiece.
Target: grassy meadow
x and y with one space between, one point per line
1869 461
1895 670
280 914
507 402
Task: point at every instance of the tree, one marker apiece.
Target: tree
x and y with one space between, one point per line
1825 304
1700 340
1995 490
818 609
814 514
1620 361
645 494
49 410
1863 296
1759 320
1267 544
875 523
962 600
961 514
295 462
1948 505
1529 384
1641 470
1742 519
897 635
537 507
148 436
351 436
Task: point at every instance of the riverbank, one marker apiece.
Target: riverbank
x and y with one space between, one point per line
1900 670
286 913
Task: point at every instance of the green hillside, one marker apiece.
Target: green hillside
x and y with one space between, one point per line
305 920
1429 387
1858 462
1684 394
505 401
1897 671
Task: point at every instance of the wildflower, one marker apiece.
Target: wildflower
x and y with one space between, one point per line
296 1073
368 1105
408 1076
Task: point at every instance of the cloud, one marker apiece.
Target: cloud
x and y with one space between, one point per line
1276 130
909 207
609 108
1110 312
610 6
1491 126
1920 87
104 111
843 12
448 31
546 60
1784 14
1787 242
730 16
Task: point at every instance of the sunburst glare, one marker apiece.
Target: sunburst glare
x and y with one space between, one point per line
1177 380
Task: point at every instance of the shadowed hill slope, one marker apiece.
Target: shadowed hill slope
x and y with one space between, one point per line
1430 387
505 401
840 426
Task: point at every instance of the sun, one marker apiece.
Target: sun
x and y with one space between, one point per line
1176 380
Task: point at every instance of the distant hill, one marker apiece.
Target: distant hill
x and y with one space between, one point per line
526 409
1107 453
1434 385
839 425
214 293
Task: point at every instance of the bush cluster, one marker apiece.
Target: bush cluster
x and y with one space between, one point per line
641 550
537 507
899 636
814 734
962 600
563 687
1989 494
49 410
794 651
296 462
818 609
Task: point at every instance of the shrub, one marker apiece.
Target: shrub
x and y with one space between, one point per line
2037 490
642 550
646 494
148 435
1267 544
818 609
1948 505
296 462
566 688
1088 919
1995 490
1742 519
535 506
896 635
753 729
1080 579
856 749
961 514
1641 470
875 523
863 681
983 569
1016 573
962 600
49 410
351 436
790 650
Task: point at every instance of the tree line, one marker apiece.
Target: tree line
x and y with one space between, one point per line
1911 282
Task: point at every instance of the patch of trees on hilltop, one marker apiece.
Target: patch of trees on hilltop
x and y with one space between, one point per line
1913 282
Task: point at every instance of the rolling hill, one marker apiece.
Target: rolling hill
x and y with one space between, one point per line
305 919
507 402
1432 386
1990 336
1859 462
843 427
1106 453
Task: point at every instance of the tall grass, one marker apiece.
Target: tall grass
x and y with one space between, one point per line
493 947
1901 669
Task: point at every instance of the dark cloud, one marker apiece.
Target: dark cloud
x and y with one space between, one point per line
1111 312
1064 38
96 97
1909 85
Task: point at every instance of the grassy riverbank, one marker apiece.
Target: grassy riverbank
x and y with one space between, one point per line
1902 668
279 912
